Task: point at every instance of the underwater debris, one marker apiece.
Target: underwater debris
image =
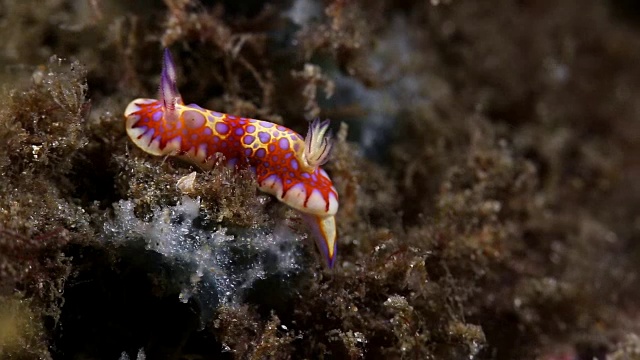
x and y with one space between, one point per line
228 196
51 113
359 312
185 183
627 349
345 33
140 356
42 130
241 332
401 324
22 334
354 342
312 77
34 266
302 12
237 52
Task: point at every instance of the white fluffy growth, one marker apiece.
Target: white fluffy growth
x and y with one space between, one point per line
212 254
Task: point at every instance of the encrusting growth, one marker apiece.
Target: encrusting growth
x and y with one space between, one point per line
286 165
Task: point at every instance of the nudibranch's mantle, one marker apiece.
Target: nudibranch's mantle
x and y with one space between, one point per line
285 164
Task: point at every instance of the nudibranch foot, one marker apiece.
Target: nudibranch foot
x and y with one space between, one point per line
286 165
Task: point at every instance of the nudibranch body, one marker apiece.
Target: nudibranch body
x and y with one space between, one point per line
286 165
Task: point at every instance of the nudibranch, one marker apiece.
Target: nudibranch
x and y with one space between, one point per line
286 165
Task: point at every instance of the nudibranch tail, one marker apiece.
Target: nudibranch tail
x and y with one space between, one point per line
317 144
168 89
325 234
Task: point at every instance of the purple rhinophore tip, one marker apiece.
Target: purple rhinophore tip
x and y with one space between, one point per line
168 89
168 66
